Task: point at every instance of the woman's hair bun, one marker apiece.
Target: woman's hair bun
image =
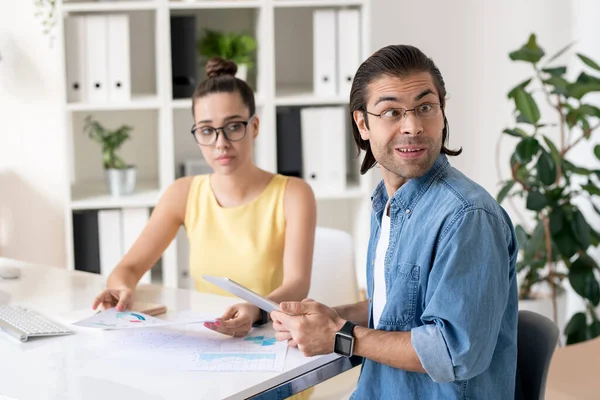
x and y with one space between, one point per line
218 66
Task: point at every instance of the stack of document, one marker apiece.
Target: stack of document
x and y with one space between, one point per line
98 58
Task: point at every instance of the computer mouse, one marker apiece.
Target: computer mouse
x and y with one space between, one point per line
7 272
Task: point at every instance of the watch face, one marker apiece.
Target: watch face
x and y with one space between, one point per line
343 345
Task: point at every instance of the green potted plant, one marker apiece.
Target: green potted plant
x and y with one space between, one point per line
120 177
552 185
237 47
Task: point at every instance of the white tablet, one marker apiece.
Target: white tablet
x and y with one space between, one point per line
242 292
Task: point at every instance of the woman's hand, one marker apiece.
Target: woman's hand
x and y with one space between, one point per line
236 321
122 299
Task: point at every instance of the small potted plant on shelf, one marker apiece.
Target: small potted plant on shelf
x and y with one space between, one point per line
554 185
120 177
237 47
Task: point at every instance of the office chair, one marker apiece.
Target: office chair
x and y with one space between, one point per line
537 337
333 282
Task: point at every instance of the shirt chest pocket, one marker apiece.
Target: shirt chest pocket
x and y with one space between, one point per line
401 298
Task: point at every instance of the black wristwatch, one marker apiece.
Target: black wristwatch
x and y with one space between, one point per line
264 318
344 340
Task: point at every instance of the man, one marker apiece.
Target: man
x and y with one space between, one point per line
441 319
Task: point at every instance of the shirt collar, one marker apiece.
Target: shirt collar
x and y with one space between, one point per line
409 193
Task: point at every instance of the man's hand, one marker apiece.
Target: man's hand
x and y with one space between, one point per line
236 321
309 325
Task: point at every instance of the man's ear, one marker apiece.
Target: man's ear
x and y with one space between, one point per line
361 123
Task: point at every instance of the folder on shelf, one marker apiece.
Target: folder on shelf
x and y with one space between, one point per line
289 141
86 247
75 58
324 60
119 71
325 164
133 221
96 38
348 49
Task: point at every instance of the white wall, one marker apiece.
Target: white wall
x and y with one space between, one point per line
32 167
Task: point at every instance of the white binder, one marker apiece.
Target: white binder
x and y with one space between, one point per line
119 71
96 58
324 64
348 50
312 147
109 236
75 58
333 134
133 222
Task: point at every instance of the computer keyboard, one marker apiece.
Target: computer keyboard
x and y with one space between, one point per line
23 323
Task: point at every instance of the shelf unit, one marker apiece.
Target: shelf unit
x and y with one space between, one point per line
163 141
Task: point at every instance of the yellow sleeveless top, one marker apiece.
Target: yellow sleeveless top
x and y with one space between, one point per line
244 243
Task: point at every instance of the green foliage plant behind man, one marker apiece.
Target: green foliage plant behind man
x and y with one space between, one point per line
550 183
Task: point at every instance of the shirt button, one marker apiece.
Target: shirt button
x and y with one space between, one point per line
407 212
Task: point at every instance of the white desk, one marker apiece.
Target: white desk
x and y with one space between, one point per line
59 367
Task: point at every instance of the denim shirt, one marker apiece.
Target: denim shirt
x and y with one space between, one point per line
450 281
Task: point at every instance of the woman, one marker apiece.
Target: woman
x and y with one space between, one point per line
242 222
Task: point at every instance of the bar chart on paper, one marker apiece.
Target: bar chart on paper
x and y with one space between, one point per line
196 351
253 353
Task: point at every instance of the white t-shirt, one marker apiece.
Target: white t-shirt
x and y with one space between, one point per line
379 297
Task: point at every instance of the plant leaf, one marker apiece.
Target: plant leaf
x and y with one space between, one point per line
559 84
577 323
526 149
522 236
594 329
560 52
589 62
504 191
527 106
583 280
591 189
581 229
565 242
516 132
557 217
546 169
553 149
555 71
536 242
529 52
521 85
536 201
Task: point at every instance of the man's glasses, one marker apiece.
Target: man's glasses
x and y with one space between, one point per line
424 111
233 132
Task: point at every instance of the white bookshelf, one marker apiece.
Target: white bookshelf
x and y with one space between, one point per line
161 123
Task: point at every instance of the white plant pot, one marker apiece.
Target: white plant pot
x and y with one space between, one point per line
120 182
543 305
242 72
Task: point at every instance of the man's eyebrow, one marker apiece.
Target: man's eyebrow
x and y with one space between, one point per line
393 98
386 98
423 94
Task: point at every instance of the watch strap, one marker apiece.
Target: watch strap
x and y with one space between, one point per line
264 318
348 328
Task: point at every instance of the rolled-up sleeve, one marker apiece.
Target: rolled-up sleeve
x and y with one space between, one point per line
467 293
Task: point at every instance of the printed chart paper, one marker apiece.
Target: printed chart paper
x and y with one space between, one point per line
113 319
199 351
